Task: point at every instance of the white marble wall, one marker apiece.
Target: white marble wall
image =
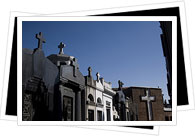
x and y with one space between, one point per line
99 94
107 99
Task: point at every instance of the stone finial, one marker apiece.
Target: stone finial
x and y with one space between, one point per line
61 46
120 84
102 80
40 40
89 71
98 76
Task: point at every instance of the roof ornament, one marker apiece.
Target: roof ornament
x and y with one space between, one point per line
61 46
40 40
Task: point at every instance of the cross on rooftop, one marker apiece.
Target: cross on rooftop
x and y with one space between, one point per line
75 66
61 46
40 40
148 100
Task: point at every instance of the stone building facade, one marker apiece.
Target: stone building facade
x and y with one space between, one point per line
99 94
90 93
146 104
108 100
131 110
52 86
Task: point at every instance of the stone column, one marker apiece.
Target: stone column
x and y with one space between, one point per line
78 106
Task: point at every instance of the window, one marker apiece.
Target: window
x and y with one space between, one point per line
90 96
99 100
108 114
108 103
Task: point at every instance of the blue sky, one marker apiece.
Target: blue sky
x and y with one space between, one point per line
128 51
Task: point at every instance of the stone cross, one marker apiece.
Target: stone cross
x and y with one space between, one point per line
148 100
75 66
120 84
89 71
61 46
40 40
98 76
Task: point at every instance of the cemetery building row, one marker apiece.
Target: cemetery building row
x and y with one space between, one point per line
54 89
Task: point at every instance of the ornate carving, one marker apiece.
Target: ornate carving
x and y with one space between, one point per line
81 87
27 109
35 97
63 80
67 108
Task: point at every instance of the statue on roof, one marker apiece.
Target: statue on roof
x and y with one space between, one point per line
120 85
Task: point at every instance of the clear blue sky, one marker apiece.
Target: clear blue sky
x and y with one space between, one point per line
130 51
